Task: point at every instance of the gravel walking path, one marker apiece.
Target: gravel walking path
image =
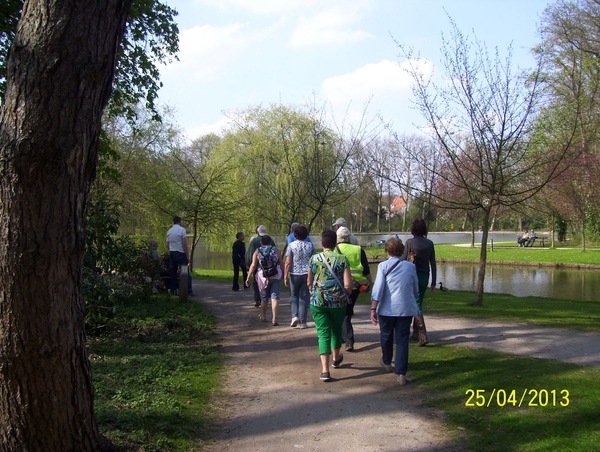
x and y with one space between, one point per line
274 400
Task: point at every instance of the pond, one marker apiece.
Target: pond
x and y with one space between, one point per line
567 284
555 283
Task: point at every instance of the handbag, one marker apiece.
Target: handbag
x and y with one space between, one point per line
411 256
336 279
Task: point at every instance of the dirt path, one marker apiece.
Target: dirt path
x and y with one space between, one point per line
274 400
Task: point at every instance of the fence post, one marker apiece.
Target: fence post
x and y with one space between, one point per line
492 242
183 282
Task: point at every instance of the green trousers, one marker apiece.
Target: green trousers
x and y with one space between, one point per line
423 284
328 322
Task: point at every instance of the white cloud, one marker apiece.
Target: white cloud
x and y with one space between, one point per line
203 129
385 86
265 7
205 51
384 78
320 22
331 26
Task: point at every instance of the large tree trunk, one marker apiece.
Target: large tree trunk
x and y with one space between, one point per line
58 81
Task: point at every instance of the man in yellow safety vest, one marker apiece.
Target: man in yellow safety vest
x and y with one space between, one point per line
361 273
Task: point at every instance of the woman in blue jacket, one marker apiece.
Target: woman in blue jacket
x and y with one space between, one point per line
393 305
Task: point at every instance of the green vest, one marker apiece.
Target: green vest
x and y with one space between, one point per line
352 253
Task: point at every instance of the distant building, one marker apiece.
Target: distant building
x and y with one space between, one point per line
398 205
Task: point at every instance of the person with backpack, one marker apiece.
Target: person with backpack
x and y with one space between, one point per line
266 261
252 247
330 282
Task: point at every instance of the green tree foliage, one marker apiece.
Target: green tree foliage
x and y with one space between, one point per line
151 38
290 166
571 53
113 274
10 10
163 176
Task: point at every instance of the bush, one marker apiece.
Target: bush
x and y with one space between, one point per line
113 272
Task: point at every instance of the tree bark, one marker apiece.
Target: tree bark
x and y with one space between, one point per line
59 78
482 257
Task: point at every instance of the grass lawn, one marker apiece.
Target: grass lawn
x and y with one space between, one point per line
553 312
510 253
500 402
154 369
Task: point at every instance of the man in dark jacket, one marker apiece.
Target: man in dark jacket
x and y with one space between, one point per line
238 256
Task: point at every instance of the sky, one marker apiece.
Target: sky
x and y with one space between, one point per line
236 54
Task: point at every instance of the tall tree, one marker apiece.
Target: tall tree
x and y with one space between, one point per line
59 76
571 53
484 121
291 163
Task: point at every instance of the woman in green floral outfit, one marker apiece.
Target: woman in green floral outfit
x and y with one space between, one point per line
330 282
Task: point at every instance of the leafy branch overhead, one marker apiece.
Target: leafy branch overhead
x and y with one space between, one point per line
151 38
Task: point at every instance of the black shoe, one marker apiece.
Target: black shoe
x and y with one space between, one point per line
257 304
349 348
335 364
325 376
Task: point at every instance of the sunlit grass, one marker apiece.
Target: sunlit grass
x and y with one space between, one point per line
510 253
543 311
548 418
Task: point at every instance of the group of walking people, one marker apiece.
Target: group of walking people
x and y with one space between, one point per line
330 282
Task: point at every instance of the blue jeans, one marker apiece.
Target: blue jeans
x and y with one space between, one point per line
397 328
299 296
177 259
272 290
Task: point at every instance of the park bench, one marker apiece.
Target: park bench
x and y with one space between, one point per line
541 239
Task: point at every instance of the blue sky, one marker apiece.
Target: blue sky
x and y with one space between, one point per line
241 53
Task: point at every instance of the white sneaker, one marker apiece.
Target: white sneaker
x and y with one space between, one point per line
388 367
303 326
402 380
295 321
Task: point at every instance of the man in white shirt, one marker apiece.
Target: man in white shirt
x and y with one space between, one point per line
178 253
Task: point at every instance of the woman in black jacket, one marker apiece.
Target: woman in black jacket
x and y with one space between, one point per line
424 252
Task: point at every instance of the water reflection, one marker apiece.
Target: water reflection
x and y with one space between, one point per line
522 282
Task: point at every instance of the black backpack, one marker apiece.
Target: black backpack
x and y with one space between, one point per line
268 262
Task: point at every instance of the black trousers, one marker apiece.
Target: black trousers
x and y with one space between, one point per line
236 274
347 329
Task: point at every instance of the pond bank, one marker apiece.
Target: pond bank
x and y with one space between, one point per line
555 265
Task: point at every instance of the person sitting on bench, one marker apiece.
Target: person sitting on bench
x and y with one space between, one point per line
523 239
531 239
